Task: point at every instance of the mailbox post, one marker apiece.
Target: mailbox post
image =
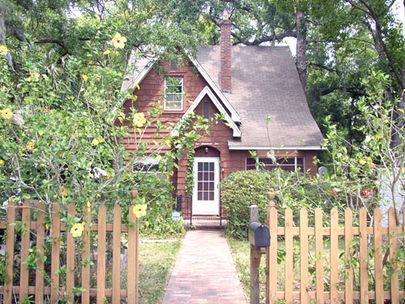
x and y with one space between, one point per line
259 238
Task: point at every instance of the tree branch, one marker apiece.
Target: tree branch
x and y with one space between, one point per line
268 38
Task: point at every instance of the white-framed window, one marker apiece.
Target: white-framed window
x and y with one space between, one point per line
173 99
285 163
147 165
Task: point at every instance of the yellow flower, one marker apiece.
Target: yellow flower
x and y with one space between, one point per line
3 50
85 77
88 207
6 113
139 210
362 161
118 41
2 162
63 191
77 230
139 120
34 76
97 141
30 145
107 52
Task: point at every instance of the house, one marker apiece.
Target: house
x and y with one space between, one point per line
258 91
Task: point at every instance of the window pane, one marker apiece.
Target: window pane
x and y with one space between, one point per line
206 109
290 160
211 196
266 161
211 166
173 93
251 161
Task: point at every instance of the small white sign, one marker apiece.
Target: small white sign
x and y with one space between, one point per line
176 216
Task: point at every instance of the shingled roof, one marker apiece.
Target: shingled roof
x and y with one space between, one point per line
266 94
265 83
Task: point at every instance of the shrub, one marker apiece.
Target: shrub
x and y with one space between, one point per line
294 190
156 191
240 190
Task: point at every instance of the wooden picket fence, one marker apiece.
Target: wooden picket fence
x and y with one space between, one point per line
44 285
336 285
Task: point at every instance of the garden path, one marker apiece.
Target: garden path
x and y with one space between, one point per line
204 272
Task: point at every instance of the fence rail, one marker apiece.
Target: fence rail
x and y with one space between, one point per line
44 283
370 253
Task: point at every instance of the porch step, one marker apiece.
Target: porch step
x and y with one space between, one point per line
205 223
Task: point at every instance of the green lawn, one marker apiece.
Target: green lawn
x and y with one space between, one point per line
156 263
241 255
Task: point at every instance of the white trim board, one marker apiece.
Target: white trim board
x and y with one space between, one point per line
214 99
276 148
234 114
143 73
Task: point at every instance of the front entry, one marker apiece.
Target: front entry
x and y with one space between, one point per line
206 186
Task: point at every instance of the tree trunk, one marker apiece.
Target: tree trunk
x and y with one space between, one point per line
3 31
398 74
2 23
301 56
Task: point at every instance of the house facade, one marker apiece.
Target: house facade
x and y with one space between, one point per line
259 94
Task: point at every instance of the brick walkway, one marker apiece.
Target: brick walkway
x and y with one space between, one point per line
204 272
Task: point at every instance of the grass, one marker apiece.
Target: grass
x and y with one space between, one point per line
241 254
156 263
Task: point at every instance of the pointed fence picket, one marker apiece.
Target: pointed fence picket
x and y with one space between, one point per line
45 283
336 249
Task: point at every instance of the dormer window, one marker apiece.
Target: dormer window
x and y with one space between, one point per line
173 93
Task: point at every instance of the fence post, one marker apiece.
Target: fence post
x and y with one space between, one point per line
133 253
55 255
271 271
254 262
8 285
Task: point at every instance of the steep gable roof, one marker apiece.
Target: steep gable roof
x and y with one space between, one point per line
267 93
143 65
267 98
207 92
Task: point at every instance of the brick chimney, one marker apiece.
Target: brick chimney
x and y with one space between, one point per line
225 74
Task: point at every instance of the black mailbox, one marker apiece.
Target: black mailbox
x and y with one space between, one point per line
259 235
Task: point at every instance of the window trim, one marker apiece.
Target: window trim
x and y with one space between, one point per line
280 165
182 94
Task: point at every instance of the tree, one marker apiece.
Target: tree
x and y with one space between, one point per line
62 120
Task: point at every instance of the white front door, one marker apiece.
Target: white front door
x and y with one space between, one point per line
206 186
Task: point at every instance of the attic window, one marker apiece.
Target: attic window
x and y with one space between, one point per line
173 93
206 109
285 163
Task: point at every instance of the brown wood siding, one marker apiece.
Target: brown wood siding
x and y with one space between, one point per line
151 93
